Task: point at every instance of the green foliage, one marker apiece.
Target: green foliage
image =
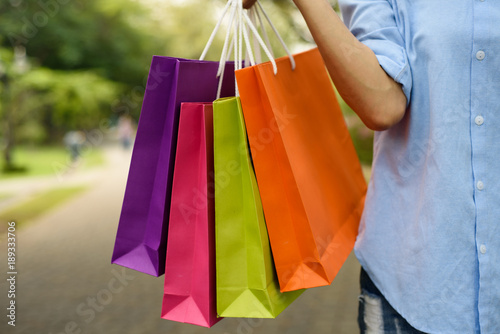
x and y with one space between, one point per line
67 100
42 103
52 160
70 64
31 132
96 34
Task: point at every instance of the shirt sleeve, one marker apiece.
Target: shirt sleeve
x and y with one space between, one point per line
373 22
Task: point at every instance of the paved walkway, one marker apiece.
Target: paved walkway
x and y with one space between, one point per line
23 188
66 283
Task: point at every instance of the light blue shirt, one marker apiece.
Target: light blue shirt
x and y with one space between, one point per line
430 233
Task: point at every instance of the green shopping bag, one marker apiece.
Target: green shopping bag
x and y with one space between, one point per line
247 284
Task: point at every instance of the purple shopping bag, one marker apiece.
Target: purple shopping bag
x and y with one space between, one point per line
189 289
142 231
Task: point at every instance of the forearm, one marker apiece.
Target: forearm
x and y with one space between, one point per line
377 99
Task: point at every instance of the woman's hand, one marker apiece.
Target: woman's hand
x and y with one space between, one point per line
248 3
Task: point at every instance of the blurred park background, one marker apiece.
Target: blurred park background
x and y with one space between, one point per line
72 78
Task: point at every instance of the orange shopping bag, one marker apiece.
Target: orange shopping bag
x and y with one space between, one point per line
308 173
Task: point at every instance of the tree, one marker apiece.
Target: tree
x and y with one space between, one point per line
80 35
82 55
55 101
89 59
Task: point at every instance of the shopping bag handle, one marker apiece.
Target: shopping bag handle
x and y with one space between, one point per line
240 12
238 29
216 29
239 21
237 12
264 33
256 17
235 26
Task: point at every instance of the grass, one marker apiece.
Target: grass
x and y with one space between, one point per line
49 160
38 205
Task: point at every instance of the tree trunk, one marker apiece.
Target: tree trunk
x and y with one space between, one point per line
9 141
8 126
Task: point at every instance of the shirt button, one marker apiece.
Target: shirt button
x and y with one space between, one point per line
479 120
480 185
480 55
482 249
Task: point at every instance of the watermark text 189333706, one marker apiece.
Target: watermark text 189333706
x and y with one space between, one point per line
11 273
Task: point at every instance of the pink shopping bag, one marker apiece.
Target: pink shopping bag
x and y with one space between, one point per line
189 291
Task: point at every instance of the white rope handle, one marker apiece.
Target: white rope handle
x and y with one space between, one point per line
214 32
236 45
226 41
248 45
263 29
237 28
221 77
240 34
261 42
292 59
225 54
244 37
255 43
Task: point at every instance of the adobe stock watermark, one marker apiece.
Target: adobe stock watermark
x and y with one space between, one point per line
11 272
87 310
32 25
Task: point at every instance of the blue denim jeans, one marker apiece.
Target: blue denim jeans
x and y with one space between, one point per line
375 315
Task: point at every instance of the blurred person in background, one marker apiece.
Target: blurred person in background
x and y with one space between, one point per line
74 141
125 131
